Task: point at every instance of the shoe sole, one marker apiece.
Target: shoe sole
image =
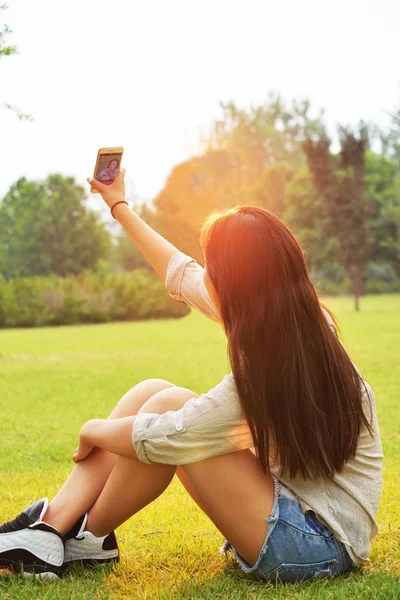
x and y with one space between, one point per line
29 571
91 562
47 575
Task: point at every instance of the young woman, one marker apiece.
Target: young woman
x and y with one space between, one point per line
284 455
108 174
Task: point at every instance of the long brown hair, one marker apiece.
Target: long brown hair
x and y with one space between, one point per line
301 394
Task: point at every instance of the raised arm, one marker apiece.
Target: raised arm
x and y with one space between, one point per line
156 249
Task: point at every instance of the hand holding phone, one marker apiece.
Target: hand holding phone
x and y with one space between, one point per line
111 194
107 166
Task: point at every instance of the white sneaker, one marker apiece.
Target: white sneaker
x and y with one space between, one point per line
30 546
82 546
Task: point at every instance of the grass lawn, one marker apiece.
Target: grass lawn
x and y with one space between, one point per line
52 380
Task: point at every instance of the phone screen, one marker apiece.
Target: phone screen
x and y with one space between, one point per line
108 168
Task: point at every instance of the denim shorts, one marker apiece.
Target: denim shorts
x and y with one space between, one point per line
297 545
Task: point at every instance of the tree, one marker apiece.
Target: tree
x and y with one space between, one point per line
383 192
269 133
270 190
5 50
391 139
46 227
342 190
127 256
9 50
257 156
249 158
195 189
304 213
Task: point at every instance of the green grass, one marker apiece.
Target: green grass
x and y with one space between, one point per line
52 380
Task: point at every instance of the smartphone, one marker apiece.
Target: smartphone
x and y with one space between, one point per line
107 165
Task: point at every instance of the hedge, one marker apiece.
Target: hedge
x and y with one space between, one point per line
85 298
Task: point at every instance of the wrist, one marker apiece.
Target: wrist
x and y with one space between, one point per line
113 199
117 206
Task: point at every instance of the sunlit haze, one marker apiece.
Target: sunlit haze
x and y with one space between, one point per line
149 75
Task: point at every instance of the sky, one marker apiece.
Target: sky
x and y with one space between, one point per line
149 75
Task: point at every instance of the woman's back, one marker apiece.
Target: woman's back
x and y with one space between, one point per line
347 503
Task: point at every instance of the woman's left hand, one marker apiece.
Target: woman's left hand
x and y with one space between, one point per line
114 435
84 447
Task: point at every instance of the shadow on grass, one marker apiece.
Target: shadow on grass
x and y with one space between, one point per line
358 584
108 583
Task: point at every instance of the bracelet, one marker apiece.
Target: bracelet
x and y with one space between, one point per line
116 204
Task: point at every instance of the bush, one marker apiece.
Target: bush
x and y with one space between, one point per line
380 272
380 278
375 286
86 298
331 288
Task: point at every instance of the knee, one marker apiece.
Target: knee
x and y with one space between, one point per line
134 399
154 384
145 389
172 398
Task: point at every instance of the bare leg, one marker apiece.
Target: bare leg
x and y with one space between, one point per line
231 489
88 478
237 496
133 484
227 488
